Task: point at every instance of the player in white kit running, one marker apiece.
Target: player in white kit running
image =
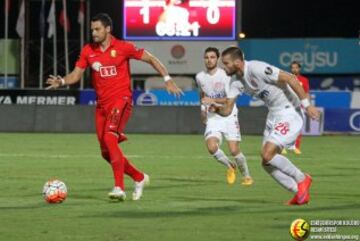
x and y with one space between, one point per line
283 95
214 83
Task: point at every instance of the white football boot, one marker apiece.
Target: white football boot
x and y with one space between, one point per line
139 187
117 194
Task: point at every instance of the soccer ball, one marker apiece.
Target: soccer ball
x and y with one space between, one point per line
54 191
300 229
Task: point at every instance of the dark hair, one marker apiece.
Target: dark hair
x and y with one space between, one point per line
104 18
296 62
212 49
234 52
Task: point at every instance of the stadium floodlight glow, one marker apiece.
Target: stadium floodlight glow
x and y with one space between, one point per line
242 35
179 19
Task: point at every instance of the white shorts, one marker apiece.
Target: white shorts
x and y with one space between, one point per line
228 127
283 127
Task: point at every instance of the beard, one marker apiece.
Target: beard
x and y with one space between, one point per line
230 72
98 40
211 67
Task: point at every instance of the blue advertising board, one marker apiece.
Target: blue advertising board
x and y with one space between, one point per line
318 56
331 99
342 120
162 98
334 83
325 99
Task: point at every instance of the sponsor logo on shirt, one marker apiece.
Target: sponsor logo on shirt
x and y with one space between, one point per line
108 71
268 70
218 86
263 94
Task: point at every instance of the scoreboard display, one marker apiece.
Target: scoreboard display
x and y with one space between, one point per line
179 19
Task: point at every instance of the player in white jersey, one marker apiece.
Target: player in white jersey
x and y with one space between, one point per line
214 83
283 96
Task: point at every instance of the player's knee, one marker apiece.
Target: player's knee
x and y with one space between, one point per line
110 138
105 153
234 151
266 156
212 148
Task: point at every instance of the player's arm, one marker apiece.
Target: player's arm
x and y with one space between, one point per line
227 108
291 80
203 113
171 87
72 78
222 106
306 87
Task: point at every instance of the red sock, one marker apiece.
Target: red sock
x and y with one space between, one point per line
131 170
298 142
117 158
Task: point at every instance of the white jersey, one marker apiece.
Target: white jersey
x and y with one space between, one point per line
215 86
260 80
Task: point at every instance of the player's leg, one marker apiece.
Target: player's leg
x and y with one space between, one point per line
232 135
270 162
282 134
241 162
297 145
116 119
213 146
139 177
213 138
100 120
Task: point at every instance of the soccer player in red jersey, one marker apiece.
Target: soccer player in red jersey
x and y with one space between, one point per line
109 59
295 68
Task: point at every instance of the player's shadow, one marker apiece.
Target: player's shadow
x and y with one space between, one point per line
204 211
238 200
306 209
189 180
24 207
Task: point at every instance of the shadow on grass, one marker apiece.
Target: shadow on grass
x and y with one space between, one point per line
25 207
188 180
204 211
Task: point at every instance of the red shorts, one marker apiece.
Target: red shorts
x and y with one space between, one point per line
112 118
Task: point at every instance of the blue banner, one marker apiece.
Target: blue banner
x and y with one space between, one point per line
317 56
342 120
12 82
325 99
335 83
87 97
162 98
331 99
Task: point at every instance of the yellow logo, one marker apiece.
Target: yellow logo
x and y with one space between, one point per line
300 229
113 53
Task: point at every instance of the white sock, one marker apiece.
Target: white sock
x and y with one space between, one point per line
241 162
283 179
284 165
222 158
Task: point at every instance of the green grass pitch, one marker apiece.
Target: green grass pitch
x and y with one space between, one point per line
188 199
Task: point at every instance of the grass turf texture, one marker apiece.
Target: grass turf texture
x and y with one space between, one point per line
188 198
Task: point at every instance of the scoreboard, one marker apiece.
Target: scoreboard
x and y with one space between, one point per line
179 19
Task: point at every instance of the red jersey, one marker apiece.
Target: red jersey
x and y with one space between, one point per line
110 68
304 82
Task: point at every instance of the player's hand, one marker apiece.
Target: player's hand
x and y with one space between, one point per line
172 88
313 113
54 82
207 101
213 108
